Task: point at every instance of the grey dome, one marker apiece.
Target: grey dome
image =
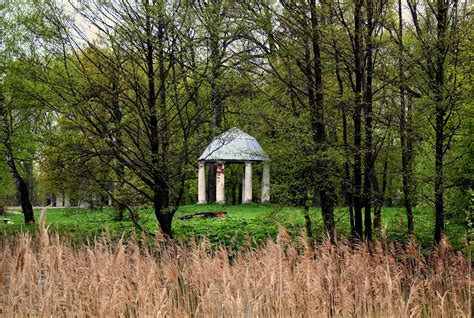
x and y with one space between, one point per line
233 145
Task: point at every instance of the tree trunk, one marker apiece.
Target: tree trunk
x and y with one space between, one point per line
119 168
378 199
347 174
163 111
326 189
405 137
164 217
160 187
119 205
359 73
369 161
216 107
441 17
380 195
439 184
346 183
20 183
307 220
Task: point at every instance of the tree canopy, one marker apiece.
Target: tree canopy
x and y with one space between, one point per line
358 103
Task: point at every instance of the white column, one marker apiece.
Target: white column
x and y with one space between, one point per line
220 183
66 201
202 183
265 193
248 183
84 204
59 200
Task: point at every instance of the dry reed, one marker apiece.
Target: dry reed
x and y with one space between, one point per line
47 276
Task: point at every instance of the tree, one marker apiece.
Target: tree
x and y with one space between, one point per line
406 143
135 90
20 183
360 52
125 92
11 40
375 13
288 37
437 32
218 25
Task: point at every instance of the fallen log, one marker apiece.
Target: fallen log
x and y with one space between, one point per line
205 215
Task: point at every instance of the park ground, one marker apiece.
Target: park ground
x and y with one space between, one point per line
245 224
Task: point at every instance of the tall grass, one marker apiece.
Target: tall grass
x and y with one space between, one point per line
50 277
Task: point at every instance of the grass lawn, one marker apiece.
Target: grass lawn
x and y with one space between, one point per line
252 223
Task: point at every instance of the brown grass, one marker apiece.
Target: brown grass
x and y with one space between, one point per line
49 277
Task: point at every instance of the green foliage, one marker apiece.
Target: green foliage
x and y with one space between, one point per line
7 187
60 88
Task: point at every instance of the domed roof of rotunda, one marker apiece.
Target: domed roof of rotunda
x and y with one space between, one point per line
233 145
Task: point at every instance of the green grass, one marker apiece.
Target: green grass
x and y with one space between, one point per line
245 223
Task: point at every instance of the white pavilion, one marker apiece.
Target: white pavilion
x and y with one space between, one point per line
233 146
